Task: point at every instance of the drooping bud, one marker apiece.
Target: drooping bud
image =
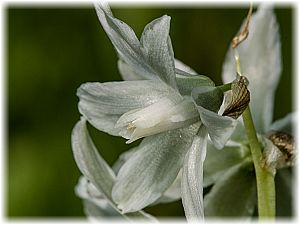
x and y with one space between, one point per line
285 143
279 151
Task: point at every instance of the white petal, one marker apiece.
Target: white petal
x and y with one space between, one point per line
152 168
181 66
153 57
127 72
287 124
220 128
123 158
260 56
157 47
95 169
124 40
103 103
208 100
95 203
192 178
168 113
173 193
90 163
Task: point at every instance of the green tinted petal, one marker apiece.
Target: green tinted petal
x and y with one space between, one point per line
186 82
208 101
233 195
285 193
210 98
219 162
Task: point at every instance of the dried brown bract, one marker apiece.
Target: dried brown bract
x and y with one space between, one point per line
238 98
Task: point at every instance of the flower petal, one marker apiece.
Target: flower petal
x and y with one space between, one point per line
260 56
124 40
153 56
90 163
95 203
286 124
168 113
186 82
183 67
103 103
170 195
123 158
173 193
210 98
186 78
192 178
146 175
233 195
218 162
285 192
94 167
128 73
157 47
219 128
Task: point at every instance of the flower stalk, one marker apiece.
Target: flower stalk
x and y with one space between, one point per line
225 87
264 179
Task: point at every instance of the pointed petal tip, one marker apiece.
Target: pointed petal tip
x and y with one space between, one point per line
129 141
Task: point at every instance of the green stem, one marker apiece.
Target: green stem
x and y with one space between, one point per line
225 87
264 179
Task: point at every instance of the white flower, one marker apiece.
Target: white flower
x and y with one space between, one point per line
162 100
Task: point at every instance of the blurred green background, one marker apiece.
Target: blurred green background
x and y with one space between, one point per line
51 50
